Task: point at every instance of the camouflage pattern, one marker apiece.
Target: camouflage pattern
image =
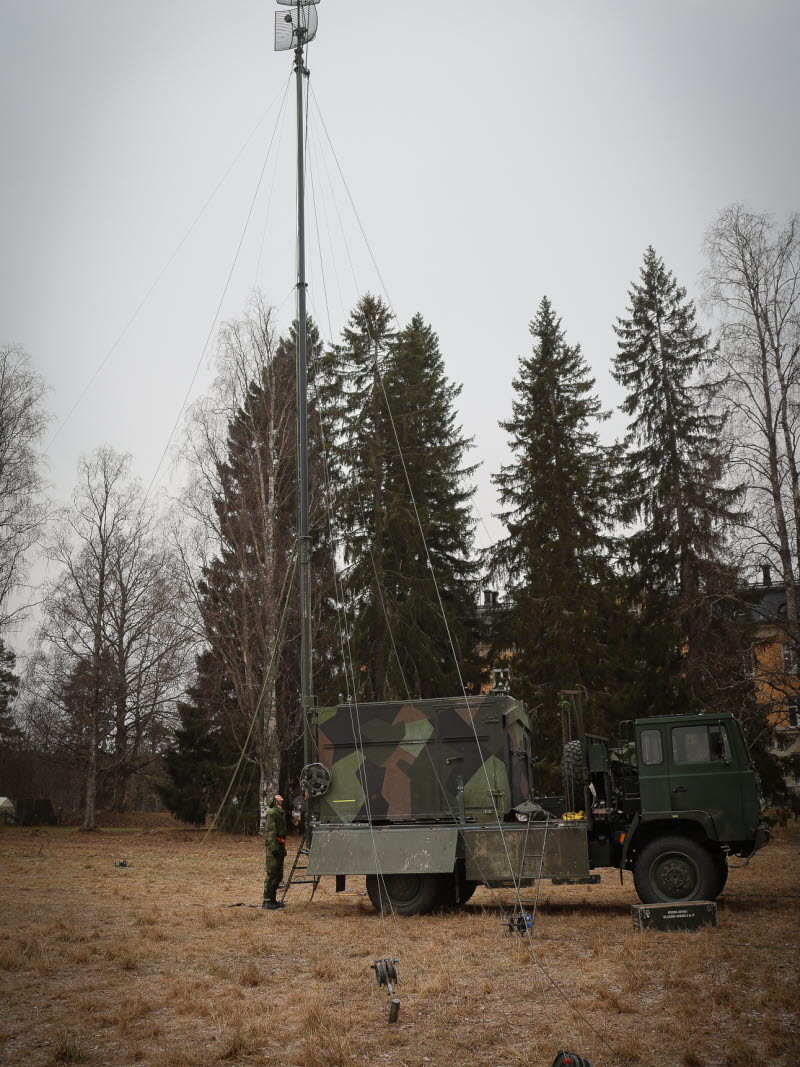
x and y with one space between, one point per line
406 761
274 876
275 849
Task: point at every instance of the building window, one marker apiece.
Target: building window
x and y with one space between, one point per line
789 658
793 716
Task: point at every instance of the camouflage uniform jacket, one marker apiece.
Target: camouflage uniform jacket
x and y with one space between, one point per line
275 831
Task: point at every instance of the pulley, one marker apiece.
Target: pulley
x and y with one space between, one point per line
315 778
386 974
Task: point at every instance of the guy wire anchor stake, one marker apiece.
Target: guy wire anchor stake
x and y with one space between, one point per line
519 924
386 974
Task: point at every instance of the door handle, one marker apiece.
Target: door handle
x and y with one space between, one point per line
679 789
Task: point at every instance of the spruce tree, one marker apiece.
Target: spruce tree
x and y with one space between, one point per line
357 426
563 620
428 485
9 687
676 496
399 459
201 761
243 588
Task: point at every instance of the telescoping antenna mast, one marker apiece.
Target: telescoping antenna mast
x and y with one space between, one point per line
293 30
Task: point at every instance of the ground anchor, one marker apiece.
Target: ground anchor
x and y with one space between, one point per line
386 974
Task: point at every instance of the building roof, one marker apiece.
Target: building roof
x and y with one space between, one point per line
768 601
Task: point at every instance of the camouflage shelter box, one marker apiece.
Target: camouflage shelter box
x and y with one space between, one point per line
452 760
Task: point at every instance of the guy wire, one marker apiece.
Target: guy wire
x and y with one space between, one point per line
161 273
219 306
278 637
443 613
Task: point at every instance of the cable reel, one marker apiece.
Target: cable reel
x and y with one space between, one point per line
386 974
315 779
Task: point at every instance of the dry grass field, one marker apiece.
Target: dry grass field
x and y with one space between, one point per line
152 965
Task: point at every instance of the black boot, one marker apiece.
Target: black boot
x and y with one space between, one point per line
271 904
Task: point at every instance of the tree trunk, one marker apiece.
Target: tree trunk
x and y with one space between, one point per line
89 819
89 822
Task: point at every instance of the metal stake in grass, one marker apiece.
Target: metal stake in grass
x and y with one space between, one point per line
386 974
518 923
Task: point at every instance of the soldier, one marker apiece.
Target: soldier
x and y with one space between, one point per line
275 846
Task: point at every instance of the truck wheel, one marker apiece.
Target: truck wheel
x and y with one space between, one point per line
467 890
573 772
673 869
407 894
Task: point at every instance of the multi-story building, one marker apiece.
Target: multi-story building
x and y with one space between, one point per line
772 660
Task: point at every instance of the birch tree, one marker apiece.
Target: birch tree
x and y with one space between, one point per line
752 282
239 533
111 651
22 510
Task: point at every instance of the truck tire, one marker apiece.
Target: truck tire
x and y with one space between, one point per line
674 869
406 894
467 890
573 772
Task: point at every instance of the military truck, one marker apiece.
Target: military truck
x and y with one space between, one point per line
432 798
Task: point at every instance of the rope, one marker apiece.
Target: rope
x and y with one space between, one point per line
430 566
219 308
275 647
441 604
161 274
347 660
282 120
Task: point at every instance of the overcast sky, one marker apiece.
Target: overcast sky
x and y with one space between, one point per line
495 153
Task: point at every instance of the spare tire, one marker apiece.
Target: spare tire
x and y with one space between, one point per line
573 772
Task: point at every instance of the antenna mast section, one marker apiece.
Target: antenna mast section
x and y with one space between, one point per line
293 30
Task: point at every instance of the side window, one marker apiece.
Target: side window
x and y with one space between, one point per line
690 744
652 749
700 744
718 743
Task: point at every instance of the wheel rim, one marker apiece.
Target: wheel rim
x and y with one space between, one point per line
675 877
402 888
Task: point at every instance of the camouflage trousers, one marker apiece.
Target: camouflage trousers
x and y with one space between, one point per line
274 875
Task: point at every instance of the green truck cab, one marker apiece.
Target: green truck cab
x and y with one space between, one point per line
431 798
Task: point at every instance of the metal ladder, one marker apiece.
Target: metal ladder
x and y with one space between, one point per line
298 868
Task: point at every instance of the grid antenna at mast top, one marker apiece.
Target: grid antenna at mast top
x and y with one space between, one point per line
297 27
